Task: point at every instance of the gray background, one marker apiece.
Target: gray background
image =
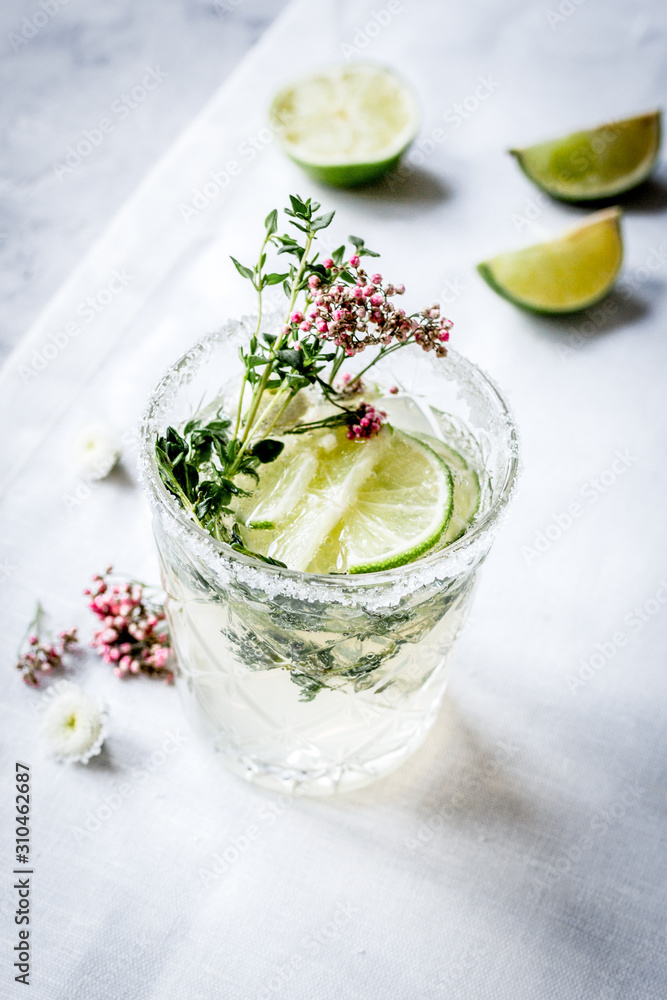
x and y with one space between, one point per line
63 80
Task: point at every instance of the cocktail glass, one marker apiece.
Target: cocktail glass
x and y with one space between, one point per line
321 683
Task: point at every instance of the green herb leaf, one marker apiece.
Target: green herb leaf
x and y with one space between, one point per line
288 356
338 254
271 222
244 271
267 450
322 221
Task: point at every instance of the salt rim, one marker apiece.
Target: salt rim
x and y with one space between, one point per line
370 591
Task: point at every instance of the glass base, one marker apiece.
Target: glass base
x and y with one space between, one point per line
345 777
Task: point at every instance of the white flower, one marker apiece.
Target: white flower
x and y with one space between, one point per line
96 450
74 725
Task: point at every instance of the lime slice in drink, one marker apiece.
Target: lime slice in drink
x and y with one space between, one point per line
572 272
600 163
369 505
346 125
467 493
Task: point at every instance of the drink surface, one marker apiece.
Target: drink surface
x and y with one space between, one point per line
298 691
335 503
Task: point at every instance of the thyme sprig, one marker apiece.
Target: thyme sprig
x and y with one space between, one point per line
335 310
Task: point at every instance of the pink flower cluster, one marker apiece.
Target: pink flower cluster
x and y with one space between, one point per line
41 657
133 632
366 422
348 386
361 315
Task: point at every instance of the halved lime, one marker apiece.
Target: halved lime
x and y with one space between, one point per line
572 272
599 163
370 505
347 124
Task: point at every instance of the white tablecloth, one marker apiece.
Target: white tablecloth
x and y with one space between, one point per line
520 853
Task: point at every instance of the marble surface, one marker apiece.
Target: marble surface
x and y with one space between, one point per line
66 66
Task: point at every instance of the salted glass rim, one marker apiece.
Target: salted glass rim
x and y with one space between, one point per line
184 369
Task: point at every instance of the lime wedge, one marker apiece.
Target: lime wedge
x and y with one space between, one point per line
369 505
600 163
572 272
346 125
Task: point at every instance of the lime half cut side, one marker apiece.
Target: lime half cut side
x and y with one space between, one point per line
347 124
369 505
600 163
571 272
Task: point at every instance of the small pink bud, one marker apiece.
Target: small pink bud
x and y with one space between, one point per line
313 281
376 278
393 390
376 300
354 260
400 289
328 262
296 317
